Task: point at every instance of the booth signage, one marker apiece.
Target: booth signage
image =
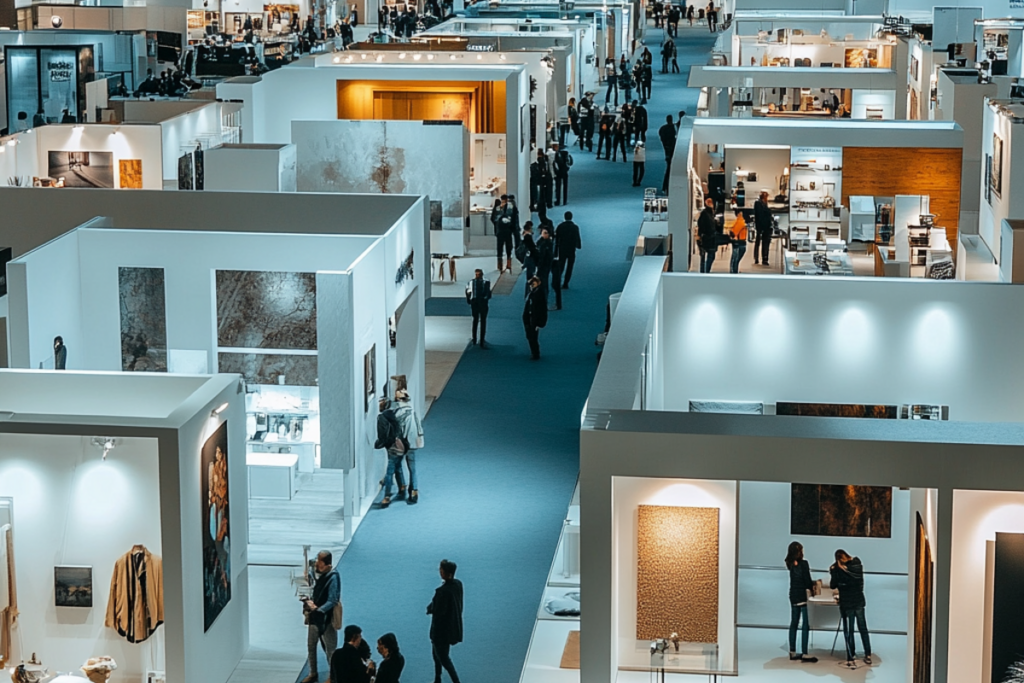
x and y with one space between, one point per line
60 72
480 47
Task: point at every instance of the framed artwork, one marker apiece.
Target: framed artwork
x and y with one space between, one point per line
988 174
130 174
266 310
143 319
836 410
369 377
924 572
730 407
216 525
82 169
833 510
72 586
995 176
1007 603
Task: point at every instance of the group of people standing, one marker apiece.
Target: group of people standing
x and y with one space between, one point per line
710 237
847 576
353 662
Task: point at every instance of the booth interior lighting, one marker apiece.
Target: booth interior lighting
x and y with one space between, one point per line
416 57
452 57
362 56
107 443
380 58
219 409
401 55
430 58
337 60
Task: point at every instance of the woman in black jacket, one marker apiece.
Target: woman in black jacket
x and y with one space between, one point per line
391 667
848 576
799 583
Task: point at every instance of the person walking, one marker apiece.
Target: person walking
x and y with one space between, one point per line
611 76
535 316
478 296
528 250
411 430
640 121
847 574
560 166
536 170
619 135
626 114
574 121
666 54
587 120
675 57
639 157
347 664
738 236
667 134
445 612
545 260
604 134
323 613
506 226
712 15
567 241
546 181
646 78
764 226
390 669
625 80
707 235
799 583
689 14
674 15
395 445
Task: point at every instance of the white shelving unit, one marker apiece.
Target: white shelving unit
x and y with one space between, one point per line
815 186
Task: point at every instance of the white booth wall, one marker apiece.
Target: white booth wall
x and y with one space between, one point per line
72 508
932 342
883 102
186 130
1009 202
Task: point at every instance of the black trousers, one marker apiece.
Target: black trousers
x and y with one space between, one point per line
675 65
545 193
566 264
588 137
556 281
504 242
619 143
442 658
532 339
668 172
563 131
604 141
562 189
664 64
480 318
762 244
534 195
645 92
638 172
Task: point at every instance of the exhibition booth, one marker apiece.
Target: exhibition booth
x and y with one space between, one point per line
852 42
122 526
178 301
1000 189
682 549
888 189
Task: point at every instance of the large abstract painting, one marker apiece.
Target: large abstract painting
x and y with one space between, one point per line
82 169
1007 608
130 174
386 157
836 410
143 319
216 517
830 510
677 573
995 178
924 571
271 368
266 310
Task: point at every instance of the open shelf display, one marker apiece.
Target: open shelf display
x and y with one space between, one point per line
815 185
928 246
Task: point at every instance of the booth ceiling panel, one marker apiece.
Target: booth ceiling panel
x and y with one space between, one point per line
677 573
891 171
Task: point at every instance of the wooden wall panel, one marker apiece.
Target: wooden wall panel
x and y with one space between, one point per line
415 100
677 573
889 171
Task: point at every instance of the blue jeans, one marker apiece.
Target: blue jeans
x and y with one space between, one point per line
394 471
799 612
738 250
410 460
849 616
707 257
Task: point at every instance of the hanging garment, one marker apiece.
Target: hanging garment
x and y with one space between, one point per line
136 605
5 569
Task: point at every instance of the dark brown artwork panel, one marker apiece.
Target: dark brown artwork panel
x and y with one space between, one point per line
836 410
833 510
923 586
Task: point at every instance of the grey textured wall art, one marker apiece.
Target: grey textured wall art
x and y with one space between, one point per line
266 310
143 319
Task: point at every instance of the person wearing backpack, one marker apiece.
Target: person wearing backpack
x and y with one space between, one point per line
478 294
390 438
323 612
411 430
561 165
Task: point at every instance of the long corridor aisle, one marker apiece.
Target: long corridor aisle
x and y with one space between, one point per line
502 444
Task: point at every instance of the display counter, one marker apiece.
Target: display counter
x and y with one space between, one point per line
818 263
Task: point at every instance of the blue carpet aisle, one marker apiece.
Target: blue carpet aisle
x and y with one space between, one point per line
502 444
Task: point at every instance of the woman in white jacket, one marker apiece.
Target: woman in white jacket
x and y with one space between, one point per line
639 157
412 430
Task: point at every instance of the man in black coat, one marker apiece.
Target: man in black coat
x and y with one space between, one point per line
567 241
535 316
587 120
506 229
668 133
545 260
560 166
445 612
763 228
604 135
478 294
707 235
640 122
346 664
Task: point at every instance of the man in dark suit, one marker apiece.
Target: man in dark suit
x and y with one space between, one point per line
668 134
535 316
445 612
478 294
763 227
567 241
545 260
346 664
707 235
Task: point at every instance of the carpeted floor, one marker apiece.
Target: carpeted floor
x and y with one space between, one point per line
502 447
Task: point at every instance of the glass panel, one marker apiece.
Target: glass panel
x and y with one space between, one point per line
59 83
22 88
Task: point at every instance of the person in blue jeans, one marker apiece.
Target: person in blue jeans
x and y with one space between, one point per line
799 583
396 451
848 576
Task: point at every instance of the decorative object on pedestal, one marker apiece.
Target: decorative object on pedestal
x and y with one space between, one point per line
98 669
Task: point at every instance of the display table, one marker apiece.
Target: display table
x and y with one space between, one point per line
802 263
272 475
823 610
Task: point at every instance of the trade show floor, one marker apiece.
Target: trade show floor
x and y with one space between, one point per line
465 265
502 450
446 341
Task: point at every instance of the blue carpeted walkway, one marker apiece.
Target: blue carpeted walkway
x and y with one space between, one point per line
502 443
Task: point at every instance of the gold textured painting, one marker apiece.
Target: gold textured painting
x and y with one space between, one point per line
131 174
677 573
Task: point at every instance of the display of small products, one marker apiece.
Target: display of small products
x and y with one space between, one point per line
655 208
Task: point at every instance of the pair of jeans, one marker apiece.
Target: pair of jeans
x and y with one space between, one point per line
561 189
849 617
443 659
410 461
480 319
329 639
394 471
707 259
738 250
613 84
563 131
762 245
799 612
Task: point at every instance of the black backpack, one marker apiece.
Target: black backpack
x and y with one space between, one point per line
389 431
521 252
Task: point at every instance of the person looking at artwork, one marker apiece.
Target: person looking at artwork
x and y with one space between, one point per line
847 574
390 438
60 354
347 665
391 666
323 613
478 296
445 612
764 226
799 583
412 432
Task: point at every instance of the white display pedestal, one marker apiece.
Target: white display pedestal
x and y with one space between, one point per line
272 475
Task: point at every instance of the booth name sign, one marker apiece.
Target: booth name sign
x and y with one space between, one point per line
485 47
59 71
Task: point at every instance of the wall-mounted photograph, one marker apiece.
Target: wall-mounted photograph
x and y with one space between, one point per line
82 169
216 516
370 376
72 586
